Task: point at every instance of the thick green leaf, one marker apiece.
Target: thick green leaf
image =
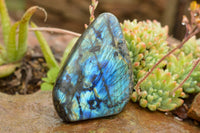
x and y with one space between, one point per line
5 21
2 54
48 55
52 74
11 47
6 70
2 61
23 32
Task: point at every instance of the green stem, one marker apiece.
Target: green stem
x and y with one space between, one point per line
5 20
48 55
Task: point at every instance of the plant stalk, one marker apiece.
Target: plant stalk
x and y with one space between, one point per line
55 30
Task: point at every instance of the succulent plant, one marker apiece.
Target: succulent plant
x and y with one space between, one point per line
156 92
181 62
146 42
191 46
180 66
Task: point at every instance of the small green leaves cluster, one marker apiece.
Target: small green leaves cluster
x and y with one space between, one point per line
146 42
157 92
181 62
49 81
192 46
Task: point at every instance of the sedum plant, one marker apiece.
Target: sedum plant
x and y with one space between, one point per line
180 66
146 43
157 92
14 38
161 88
191 46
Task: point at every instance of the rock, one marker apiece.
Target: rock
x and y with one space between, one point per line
181 112
104 90
194 111
35 113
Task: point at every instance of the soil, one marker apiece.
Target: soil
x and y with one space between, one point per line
27 78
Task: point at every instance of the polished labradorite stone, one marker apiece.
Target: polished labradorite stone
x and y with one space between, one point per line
95 80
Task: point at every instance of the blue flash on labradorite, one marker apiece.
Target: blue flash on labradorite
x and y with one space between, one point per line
95 80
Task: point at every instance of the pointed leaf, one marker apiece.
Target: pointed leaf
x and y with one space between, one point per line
11 48
5 21
48 55
23 31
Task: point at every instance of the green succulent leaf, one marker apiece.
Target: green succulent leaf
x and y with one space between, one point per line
11 47
2 54
46 86
23 31
50 79
48 55
156 92
5 21
51 75
180 65
7 69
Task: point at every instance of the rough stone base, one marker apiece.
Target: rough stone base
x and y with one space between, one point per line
35 113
